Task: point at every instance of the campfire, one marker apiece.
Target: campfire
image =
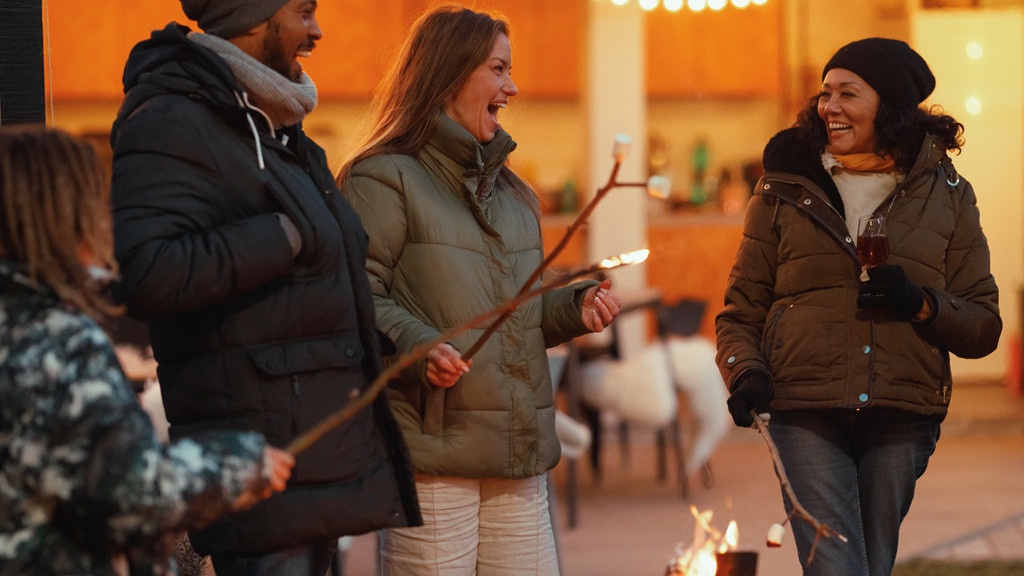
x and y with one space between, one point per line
712 553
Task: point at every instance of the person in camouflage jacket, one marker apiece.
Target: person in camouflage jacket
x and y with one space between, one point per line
85 485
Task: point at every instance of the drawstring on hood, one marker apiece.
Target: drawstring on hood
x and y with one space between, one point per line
286 102
243 101
176 60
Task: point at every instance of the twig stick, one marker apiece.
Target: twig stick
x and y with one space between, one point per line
798 510
584 214
367 396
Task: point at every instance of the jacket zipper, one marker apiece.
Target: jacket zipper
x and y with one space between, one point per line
296 393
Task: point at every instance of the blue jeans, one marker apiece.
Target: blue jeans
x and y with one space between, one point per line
311 560
855 471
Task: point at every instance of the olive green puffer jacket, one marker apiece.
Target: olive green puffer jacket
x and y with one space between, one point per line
449 241
790 305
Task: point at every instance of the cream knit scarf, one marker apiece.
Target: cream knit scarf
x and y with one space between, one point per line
284 102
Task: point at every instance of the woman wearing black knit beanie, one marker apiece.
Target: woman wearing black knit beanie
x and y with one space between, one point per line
849 353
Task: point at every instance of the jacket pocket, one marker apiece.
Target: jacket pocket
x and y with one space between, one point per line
303 383
769 339
282 358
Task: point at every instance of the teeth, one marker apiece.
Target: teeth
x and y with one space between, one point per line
835 126
304 53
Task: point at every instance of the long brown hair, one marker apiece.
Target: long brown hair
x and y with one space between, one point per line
55 200
442 50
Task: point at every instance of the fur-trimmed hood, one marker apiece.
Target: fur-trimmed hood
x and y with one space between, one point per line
792 151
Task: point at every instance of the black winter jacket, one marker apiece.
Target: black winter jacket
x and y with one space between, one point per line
246 336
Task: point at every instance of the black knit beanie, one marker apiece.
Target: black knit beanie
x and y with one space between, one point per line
898 73
230 18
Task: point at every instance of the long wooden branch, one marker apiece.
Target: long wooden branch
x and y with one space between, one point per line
584 214
798 510
367 396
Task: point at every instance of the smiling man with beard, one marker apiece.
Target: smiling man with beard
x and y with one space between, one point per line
246 262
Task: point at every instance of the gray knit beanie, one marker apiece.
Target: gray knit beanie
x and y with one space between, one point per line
230 18
898 73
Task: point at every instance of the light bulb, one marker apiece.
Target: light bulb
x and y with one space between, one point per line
659 187
620 150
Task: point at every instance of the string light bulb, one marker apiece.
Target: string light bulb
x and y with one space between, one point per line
693 5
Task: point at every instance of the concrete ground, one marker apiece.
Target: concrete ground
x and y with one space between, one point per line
969 504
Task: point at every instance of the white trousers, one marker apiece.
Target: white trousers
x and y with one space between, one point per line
489 527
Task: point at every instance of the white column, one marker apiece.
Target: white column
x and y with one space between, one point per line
616 102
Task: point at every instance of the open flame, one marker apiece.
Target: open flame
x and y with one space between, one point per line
731 537
634 257
699 558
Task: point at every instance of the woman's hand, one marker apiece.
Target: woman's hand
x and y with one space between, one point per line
445 366
600 306
277 469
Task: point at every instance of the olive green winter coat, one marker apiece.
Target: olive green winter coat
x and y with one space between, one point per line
449 241
791 302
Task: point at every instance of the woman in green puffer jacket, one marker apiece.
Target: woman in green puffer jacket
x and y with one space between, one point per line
454 233
852 362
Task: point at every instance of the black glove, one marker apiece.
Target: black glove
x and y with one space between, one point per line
752 391
888 286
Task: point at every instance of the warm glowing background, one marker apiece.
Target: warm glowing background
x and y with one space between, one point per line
730 78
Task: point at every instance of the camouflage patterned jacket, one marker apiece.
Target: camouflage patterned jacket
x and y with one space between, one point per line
84 483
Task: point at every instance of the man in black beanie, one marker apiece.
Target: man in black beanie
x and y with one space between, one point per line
236 247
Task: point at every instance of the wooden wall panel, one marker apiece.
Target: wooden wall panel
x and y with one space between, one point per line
727 53
547 45
87 44
693 261
88 47
360 40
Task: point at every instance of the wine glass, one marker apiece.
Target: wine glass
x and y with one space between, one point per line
872 242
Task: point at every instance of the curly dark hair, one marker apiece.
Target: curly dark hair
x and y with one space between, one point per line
899 132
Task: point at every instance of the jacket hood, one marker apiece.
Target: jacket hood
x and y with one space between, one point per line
168 62
791 151
467 166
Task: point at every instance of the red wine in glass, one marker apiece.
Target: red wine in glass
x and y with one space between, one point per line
873 250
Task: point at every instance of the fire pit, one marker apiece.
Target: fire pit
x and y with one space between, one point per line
712 553
736 564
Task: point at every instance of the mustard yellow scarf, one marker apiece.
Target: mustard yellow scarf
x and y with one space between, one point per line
866 162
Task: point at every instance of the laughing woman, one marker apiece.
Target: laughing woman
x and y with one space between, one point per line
453 233
851 361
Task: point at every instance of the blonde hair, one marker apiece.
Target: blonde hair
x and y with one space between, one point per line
56 201
442 50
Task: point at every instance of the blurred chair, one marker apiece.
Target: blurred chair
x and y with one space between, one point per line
678 367
695 374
